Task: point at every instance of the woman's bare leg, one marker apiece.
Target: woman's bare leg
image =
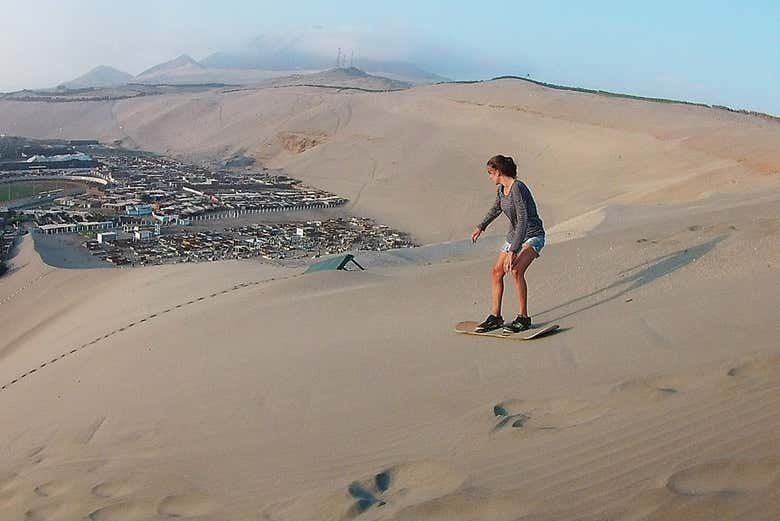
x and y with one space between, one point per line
523 260
498 284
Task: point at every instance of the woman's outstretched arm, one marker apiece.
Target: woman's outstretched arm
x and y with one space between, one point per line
494 212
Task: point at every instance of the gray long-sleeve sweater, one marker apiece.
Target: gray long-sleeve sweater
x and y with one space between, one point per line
520 208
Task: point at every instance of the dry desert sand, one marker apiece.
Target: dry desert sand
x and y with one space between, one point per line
243 391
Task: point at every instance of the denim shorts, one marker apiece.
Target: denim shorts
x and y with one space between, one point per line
537 243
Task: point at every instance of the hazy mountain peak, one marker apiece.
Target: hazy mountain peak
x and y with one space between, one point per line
100 76
183 61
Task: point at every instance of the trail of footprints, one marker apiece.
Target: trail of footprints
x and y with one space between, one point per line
71 477
432 491
108 500
27 286
121 329
567 412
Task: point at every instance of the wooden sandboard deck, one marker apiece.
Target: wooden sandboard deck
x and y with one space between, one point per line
468 328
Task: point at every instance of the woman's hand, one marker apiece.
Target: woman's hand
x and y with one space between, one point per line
475 235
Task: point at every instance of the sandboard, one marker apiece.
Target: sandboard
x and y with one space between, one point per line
469 327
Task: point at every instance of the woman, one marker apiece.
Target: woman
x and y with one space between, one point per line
524 242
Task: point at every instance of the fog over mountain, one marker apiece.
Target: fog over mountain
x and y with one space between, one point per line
272 55
313 51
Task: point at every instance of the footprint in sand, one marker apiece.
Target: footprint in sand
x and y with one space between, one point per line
568 412
91 430
37 450
123 511
408 483
757 369
186 505
369 494
36 455
389 490
50 489
44 513
468 504
531 415
724 478
113 488
637 391
432 492
655 388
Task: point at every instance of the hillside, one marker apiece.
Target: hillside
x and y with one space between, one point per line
101 76
350 77
182 61
581 153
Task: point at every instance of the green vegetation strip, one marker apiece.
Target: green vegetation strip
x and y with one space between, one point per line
22 190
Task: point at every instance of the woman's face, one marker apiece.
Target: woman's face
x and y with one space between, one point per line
494 175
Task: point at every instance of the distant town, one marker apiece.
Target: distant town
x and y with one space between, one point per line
132 208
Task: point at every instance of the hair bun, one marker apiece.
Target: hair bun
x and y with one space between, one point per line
504 164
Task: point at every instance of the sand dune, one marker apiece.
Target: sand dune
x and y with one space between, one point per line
237 390
328 396
577 151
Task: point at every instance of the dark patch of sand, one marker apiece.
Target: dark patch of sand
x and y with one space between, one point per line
65 251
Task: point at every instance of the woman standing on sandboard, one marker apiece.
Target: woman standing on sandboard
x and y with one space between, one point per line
524 242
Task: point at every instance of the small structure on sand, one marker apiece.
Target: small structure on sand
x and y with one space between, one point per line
339 262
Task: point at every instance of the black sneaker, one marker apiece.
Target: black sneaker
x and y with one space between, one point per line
491 323
521 323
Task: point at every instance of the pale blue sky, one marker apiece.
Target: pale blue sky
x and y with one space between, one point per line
715 52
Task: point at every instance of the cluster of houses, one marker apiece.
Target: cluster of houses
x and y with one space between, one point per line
57 220
139 208
141 188
162 188
273 241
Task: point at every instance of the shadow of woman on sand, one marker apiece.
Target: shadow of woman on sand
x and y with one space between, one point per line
638 276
